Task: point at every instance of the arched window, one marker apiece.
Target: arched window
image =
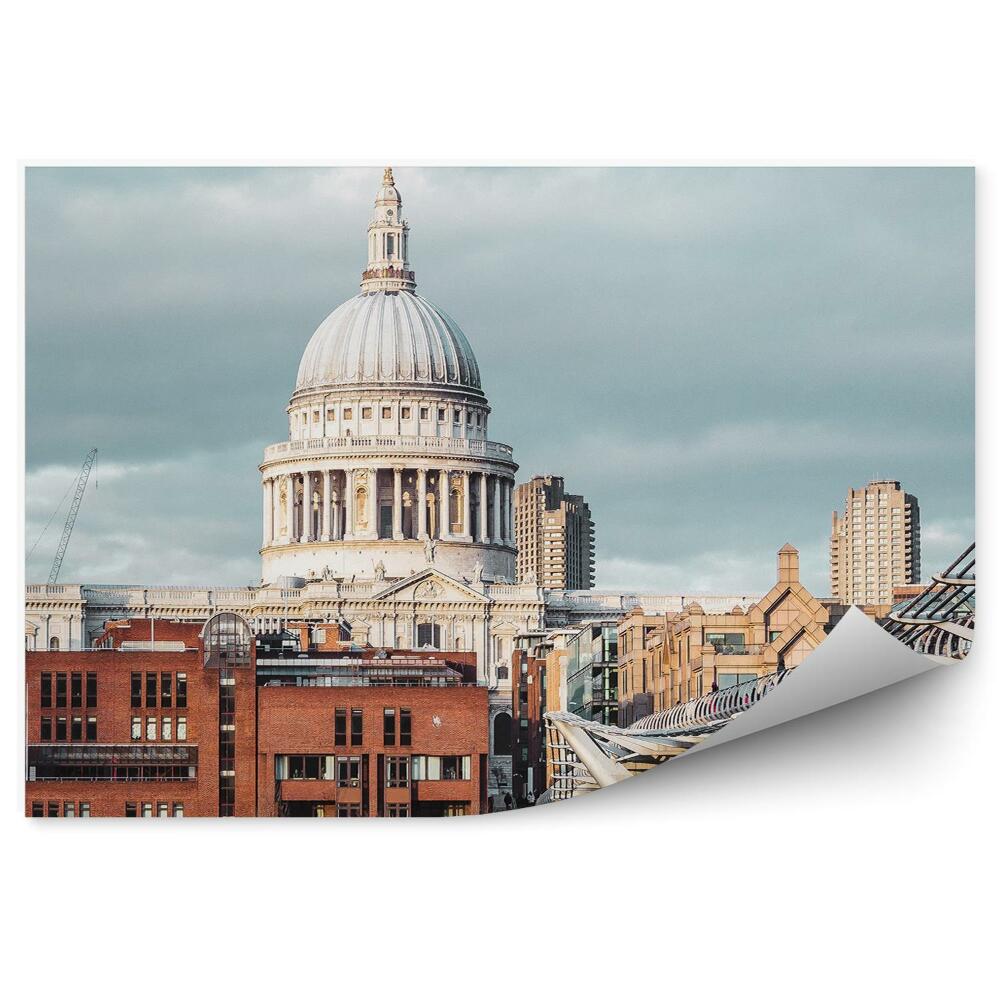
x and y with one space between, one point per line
54 644
459 643
503 738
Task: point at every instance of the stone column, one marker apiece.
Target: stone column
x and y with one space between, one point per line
484 533
325 525
373 503
349 504
306 506
268 505
397 502
421 504
444 504
508 525
335 508
290 508
466 505
495 519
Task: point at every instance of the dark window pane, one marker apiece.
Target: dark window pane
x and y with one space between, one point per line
61 728
405 727
389 727
76 729
60 690
137 690
150 690
182 690
76 691
356 727
92 728
91 690
46 690
166 690
46 729
340 727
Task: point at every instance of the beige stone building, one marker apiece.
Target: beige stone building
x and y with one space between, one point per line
667 659
554 535
875 544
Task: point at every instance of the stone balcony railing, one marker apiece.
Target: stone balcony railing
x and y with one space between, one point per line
391 444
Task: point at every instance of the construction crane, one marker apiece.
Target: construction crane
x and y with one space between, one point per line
74 509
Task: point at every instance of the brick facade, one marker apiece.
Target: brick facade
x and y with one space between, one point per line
123 730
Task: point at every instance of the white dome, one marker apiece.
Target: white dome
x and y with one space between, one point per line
395 338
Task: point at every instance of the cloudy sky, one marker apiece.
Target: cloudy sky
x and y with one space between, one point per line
711 356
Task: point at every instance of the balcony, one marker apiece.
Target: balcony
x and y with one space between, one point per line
112 762
389 444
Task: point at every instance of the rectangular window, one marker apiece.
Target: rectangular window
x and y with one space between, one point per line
61 728
389 727
150 690
136 727
405 728
366 413
441 414
166 728
348 413
76 690
340 727
147 810
130 809
182 728
69 809
92 728
84 809
150 727
405 413
37 809
53 809
356 727
178 808
331 413
425 413
166 690
348 809
398 809
348 772
91 690
386 412
182 690
60 690
76 729
162 809
137 690
46 728
397 772
46 690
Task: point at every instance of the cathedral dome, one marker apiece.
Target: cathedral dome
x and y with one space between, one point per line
388 338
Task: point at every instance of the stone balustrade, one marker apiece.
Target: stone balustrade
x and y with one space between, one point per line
391 444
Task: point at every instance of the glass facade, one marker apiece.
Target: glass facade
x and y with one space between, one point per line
592 673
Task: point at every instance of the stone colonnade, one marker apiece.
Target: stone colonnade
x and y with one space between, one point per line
394 502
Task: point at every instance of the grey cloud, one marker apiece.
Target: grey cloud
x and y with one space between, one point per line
636 329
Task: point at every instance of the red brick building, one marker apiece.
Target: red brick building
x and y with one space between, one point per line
528 710
173 719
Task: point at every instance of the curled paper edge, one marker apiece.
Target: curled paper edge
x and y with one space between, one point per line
856 658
